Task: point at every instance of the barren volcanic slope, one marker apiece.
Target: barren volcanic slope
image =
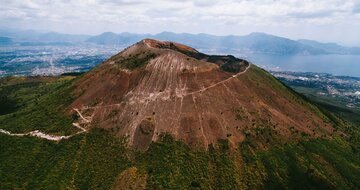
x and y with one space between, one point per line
156 87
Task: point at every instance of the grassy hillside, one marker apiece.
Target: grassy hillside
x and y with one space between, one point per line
98 160
333 104
36 103
83 162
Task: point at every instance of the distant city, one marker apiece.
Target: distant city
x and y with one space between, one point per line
345 90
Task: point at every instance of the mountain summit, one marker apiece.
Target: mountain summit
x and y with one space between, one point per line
155 87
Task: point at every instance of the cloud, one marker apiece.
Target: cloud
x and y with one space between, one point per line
205 3
122 2
155 9
200 3
208 16
310 15
356 8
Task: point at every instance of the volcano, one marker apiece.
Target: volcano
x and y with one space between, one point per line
162 115
156 87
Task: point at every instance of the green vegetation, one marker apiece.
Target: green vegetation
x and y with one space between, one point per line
36 105
333 104
95 159
90 161
171 164
240 113
135 61
262 78
319 164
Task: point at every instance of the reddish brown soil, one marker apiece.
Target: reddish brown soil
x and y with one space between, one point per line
194 100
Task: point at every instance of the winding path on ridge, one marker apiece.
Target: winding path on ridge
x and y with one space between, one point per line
187 94
221 82
39 134
84 120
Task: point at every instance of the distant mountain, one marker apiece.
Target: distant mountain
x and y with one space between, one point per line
41 38
5 41
269 44
19 35
252 43
112 38
332 48
58 37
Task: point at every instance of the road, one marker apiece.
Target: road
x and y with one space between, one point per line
39 134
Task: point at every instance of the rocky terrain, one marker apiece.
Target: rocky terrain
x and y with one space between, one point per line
195 97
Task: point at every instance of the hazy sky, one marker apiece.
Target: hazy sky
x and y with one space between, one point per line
324 20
